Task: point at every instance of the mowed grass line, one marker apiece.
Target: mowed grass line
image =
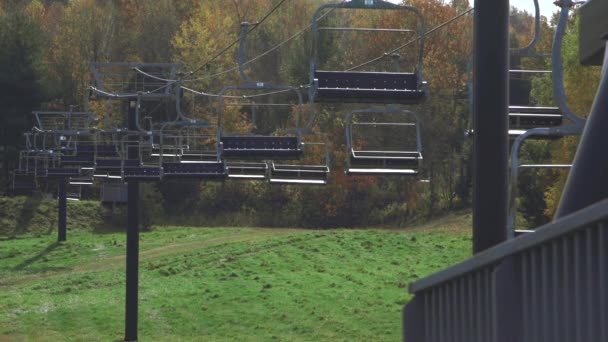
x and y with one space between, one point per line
66 260
232 285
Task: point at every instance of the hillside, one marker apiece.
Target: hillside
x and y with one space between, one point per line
222 284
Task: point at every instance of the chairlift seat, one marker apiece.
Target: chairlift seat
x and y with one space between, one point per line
384 162
247 170
522 118
24 183
299 174
166 152
73 194
194 170
114 192
41 173
531 117
112 167
80 158
143 173
199 157
104 150
62 172
84 180
115 163
261 146
368 87
24 187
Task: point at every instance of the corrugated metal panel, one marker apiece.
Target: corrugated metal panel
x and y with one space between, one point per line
556 283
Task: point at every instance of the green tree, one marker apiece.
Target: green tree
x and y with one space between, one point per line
21 74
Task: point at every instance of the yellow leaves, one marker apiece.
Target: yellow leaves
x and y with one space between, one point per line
34 10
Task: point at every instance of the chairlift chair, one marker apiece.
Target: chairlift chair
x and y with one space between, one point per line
73 192
522 115
247 170
198 142
252 146
575 127
365 86
113 191
144 167
23 182
367 157
284 144
109 158
63 122
311 169
62 132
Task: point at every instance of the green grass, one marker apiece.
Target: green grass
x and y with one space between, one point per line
223 284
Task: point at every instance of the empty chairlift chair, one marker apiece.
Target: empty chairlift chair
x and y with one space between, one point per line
575 125
249 146
113 191
383 142
73 192
109 159
23 182
312 168
252 146
144 167
62 133
522 115
247 170
367 86
147 82
198 158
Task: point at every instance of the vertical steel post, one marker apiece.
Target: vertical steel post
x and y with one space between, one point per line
490 107
132 276
62 212
588 179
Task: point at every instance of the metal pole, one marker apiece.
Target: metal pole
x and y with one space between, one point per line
132 276
490 107
588 179
62 213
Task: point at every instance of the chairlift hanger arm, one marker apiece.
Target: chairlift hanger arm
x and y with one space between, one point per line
528 50
559 91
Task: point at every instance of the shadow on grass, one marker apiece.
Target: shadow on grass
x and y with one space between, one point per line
27 213
36 257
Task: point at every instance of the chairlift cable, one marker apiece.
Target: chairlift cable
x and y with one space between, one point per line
274 48
236 96
263 54
224 50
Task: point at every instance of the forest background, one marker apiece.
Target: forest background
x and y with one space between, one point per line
46 48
